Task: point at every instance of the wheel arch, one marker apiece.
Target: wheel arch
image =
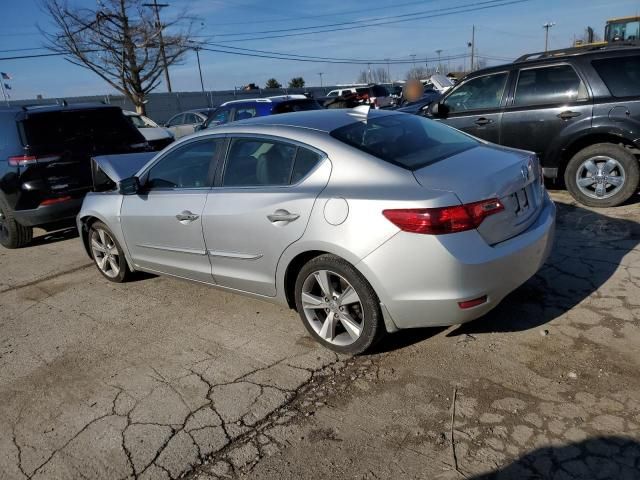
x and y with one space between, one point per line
592 139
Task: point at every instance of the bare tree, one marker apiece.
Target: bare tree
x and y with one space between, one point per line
119 40
418 73
377 75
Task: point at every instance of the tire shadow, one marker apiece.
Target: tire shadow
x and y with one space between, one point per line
605 458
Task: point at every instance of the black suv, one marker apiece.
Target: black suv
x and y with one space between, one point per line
45 162
578 109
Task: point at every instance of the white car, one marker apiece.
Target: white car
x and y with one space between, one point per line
155 135
186 123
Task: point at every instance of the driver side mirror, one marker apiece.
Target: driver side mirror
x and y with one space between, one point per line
438 110
129 186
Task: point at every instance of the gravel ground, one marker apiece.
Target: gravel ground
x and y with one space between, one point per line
160 378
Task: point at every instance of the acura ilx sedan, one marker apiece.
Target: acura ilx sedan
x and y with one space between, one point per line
363 221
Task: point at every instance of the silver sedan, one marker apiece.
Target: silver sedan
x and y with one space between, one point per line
365 222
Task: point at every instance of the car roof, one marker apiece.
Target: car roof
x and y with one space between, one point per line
30 109
552 56
320 120
273 99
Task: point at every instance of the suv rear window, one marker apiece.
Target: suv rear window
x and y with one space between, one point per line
86 128
621 75
296 106
408 141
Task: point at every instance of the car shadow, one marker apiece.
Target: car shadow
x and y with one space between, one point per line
606 458
588 249
403 339
54 236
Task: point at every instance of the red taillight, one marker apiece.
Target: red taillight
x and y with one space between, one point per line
473 303
51 201
23 160
20 160
437 221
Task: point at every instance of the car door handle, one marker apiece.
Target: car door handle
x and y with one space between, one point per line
483 121
187 216
567 114
282 216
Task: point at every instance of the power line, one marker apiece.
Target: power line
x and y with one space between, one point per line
443 12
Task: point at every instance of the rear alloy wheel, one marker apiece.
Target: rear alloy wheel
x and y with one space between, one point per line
602 175
12 234
107 254
338 306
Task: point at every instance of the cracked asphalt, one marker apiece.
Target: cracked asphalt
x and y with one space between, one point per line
160 378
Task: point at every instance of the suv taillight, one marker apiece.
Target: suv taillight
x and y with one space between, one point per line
23 160
438 221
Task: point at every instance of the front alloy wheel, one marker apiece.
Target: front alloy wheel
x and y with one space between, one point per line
107 254
600 177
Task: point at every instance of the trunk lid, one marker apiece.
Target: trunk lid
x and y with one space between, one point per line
486 172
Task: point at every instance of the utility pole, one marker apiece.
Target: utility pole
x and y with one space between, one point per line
413 57
439 64
369 79
546 27
388 71
156 7
320 74
472 45
199 68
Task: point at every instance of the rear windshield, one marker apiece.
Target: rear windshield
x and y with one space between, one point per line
296 106
87 128
409 141
621 75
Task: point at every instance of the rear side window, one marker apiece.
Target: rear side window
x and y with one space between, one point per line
81 129
257 162
409 141
549 85
242 113
621 75
9 138
176 120
306 160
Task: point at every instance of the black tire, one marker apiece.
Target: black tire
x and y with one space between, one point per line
626 161
372 323
124 273
12 234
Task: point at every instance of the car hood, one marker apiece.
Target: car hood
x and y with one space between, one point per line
158 133
119 167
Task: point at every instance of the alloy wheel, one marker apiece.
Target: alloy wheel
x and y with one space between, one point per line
332 307
105 252
600 177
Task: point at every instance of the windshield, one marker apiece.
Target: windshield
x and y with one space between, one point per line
409 141
138 122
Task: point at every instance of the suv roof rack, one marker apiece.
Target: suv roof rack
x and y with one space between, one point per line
574 51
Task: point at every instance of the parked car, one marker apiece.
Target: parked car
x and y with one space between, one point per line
578 109
46 168
339 92
186 123
156 136
375 95
417 106
258 107
365 221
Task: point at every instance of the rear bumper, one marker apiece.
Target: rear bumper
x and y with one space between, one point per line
421 278
45 215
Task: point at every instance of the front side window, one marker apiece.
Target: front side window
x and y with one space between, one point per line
621 75
481 93
191 118
257 162
185 167
408 141
549 85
